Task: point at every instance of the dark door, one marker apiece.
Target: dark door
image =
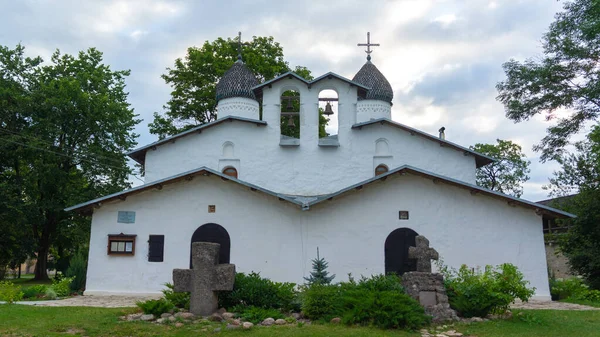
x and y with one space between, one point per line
396 251
211 232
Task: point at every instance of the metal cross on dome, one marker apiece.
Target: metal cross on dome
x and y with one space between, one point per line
240 46
368 45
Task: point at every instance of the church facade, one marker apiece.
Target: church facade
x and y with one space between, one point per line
270 198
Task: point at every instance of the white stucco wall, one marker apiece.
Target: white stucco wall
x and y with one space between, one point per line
307 169
279 240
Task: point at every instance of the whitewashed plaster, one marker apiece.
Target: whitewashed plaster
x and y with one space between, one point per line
238 106
307 169
372 109
279 240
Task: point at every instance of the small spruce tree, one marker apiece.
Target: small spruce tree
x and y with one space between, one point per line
319 275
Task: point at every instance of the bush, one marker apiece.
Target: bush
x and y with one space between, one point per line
50 294
35 291
77 271
573 288
10 292
253 290
391 282
387 309
322 301
473 293
155 307
178 299
256 314
62 286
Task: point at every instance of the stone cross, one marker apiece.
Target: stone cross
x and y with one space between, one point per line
206 277
423 254
368 45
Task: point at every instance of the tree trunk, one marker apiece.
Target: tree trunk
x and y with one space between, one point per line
19 276
41 266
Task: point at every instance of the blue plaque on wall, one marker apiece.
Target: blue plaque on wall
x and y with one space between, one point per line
126 217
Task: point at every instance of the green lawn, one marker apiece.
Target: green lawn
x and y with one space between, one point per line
588 303
20 320
27 281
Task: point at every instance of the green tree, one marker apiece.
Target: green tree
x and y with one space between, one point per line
319 275
194 79
566 77
581 173
71 137
508 172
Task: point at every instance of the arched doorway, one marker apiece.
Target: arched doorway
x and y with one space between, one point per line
396 251
211 232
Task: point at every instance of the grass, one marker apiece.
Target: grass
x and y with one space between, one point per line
27 281
20 320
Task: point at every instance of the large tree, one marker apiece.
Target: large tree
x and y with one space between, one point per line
194 79
67 143
581 173
566 79
508 173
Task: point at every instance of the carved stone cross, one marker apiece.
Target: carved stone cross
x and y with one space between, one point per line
206 277
423 254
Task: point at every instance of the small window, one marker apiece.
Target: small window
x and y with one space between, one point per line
230 171
121 244
156 248
381 169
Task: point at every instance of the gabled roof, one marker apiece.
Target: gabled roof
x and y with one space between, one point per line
139 154
480 159
189 175
290 74
305 202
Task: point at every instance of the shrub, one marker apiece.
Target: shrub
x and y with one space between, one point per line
50 294
322 301
178 299
256 314
475 293
391 282
77 271
35 291
62 286
573 288
253 290
155 307
10 292
384 309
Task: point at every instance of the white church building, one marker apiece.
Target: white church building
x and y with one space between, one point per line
271 199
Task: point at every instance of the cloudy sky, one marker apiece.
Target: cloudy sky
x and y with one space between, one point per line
443 58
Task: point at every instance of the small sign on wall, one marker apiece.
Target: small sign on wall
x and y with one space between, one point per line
212 208
126 217
403 215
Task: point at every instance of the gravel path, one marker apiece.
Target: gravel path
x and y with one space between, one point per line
93 301
546 305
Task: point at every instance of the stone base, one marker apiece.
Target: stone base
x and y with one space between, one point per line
429 290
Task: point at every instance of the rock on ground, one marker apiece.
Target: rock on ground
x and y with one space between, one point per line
247 325
268 321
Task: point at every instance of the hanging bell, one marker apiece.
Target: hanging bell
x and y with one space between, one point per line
291 121
290 105
328 111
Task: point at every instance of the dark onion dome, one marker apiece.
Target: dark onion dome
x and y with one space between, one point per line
238 81
371 77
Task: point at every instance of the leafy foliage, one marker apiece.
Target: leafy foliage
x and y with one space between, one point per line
319 275
50 294
35 291
475 293
77 271
508 172
64 131
572 287
155 307
383 309
62 287
10 292
566 77
179 299
322 301
253 290
194 79
256 314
